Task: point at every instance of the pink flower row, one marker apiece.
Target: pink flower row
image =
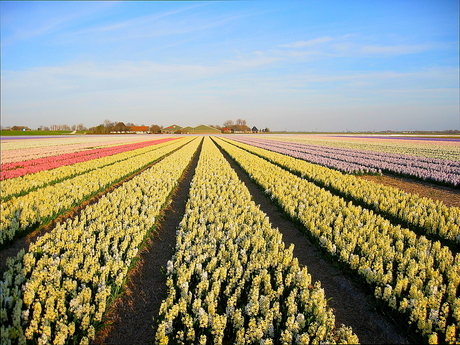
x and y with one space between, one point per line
17 169
23 154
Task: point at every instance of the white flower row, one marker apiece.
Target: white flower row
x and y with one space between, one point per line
231 279
418 279
434 217
57 292
423 148
19 214
22 149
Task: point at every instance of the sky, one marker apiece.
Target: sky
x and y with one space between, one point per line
357 65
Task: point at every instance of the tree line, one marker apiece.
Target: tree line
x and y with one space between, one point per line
108 126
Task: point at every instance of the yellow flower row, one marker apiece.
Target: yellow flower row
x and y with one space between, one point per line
58 292
23 184
434 217
417 278
231 276
21 213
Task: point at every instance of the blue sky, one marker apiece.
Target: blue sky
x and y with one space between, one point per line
286 65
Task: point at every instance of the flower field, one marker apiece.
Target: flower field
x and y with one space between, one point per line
363 161
21 168
230 278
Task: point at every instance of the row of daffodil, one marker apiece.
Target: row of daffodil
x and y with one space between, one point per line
417 279
26 183
441 148
21 214
429 216
58 291
231 279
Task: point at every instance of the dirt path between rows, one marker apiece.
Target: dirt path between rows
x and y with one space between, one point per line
448 195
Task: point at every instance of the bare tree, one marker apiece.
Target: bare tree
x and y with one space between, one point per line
229 123
241 122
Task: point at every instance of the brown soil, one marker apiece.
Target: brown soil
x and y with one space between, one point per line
449 196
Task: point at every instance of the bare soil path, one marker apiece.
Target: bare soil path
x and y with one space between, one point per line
448 195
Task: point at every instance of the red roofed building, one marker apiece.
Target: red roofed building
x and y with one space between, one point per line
139 129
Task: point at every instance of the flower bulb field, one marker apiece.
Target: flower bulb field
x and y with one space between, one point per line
229 239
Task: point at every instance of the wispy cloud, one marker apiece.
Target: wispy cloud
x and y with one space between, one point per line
42 22
312 42
395 50
351 45
138 21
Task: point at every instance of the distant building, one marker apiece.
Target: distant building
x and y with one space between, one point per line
120 127
171 129
139 129
186 130
203 129
19 128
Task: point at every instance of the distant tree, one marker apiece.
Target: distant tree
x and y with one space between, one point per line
240 125
155 128
81 127
60 128
98 129
109 125
229 123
